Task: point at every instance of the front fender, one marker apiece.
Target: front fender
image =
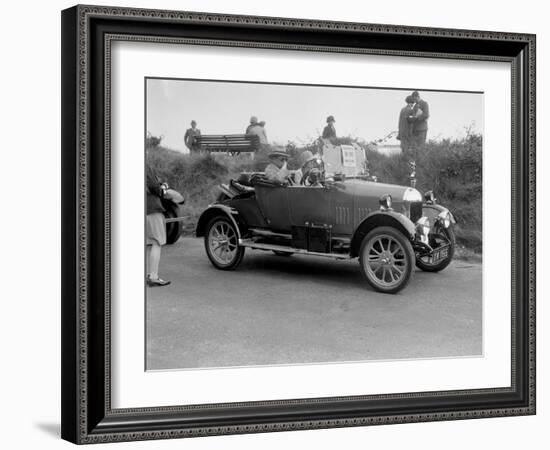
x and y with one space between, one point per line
378 219
432 210
217 210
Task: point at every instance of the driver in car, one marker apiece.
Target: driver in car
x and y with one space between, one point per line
277 170
311 170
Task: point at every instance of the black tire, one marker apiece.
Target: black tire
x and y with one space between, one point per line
278 253
387 259
425 265
173 229
221 234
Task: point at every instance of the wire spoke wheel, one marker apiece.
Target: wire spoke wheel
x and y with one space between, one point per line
387 258
222 244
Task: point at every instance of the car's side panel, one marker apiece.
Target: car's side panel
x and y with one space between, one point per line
341 214
308 204
249 211
273 203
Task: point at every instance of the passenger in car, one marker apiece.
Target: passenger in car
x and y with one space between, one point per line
277 170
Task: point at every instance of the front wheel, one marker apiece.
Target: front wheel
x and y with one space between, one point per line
440 237
387 259
221 243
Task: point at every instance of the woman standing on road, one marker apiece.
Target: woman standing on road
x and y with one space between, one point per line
156 228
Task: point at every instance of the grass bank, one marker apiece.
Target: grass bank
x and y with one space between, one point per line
451 168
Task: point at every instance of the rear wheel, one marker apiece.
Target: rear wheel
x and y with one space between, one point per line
221 242
173 229
387 259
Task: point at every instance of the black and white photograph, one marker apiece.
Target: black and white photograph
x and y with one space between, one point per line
274 221
310 224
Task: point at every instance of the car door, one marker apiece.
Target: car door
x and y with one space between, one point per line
273 203
308 204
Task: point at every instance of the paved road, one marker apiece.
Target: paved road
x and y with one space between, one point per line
299 309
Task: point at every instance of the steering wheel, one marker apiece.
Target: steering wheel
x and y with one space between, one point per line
311 177
313 171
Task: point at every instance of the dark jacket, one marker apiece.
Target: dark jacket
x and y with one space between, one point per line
404 126
154 191
421 122
329 132
190 138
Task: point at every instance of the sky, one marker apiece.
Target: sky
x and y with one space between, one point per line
298 112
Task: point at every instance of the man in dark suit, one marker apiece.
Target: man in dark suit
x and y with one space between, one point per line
404 125
329 132
421 113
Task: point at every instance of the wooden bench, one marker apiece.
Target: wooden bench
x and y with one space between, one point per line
228 143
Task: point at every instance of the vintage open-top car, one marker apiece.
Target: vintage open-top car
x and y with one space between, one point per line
389 228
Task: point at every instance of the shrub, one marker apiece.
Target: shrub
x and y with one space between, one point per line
453 170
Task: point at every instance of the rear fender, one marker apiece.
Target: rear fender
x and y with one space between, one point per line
379 219
218 210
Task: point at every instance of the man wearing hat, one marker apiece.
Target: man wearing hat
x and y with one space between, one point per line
329 132
277 171
258 129
253 123
190 137
263 133
406 117
421 113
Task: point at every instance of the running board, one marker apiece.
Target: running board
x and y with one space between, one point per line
176 219
269 233
285 248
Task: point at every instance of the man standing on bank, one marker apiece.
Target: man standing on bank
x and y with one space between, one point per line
191 136
252 125
421 113
329 132
405 123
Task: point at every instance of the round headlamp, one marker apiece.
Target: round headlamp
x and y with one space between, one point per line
385 202
412 195
429 197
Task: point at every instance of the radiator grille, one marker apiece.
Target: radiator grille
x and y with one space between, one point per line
416 211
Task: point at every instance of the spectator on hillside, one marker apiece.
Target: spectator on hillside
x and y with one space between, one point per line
258 129
263 133
421 113
190 137
329 132
253 124
405 125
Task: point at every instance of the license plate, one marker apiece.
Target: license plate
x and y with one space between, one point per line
440 254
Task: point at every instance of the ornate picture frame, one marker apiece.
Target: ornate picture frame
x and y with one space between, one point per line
88 33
